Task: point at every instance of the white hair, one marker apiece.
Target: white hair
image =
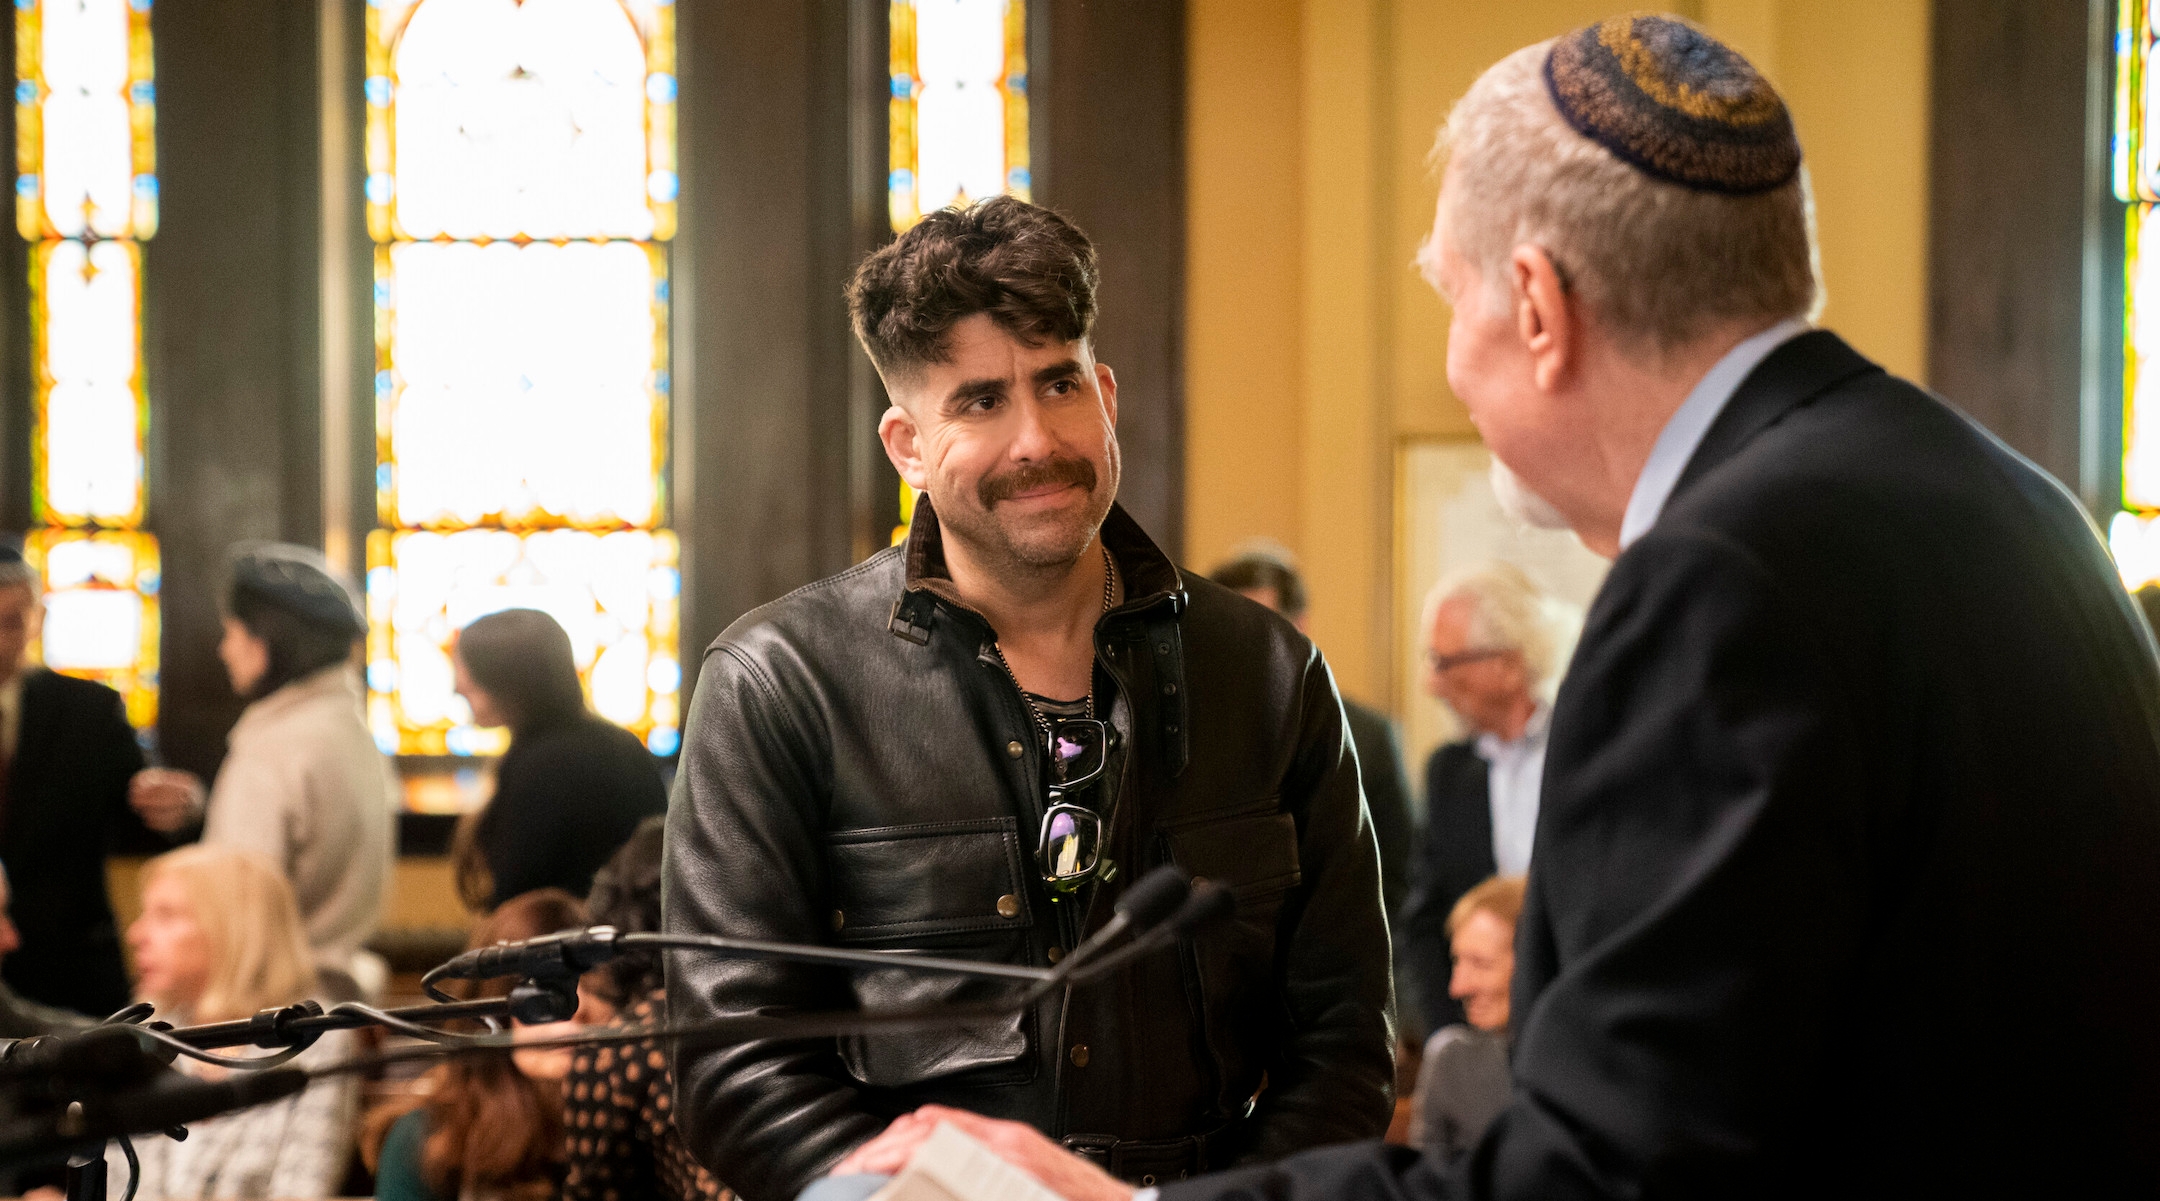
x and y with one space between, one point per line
1508 612
1660 262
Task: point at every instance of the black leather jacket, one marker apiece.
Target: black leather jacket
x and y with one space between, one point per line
859 769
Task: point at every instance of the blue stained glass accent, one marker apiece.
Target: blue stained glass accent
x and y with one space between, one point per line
903 86
662 186
1018 178
1016 84
664 740
381 580
141 6
382 294
525 383
378 90
142 91
661 383
147 583
146 186
382 675
385 742
383 477
26 185
660 88
26 92
660 291
380 187
667 582
903 180
26 5
384 385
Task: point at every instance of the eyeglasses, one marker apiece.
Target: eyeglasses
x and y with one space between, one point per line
1444 664
1070 849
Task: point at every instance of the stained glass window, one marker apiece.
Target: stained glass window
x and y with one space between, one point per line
959 115
959 104
85 199
521 184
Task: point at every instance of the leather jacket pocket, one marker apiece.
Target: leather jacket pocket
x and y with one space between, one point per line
1234 964
934 888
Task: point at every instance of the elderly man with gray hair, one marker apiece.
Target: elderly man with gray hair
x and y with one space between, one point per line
1860 712
1489 649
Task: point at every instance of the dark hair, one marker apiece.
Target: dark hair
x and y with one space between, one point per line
626 895
523 659
1031 270
1257 570
491 1130
299 645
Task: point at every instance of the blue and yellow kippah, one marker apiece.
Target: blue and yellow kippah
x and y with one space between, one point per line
1674 102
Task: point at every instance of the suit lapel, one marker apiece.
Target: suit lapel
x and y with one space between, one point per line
1792 375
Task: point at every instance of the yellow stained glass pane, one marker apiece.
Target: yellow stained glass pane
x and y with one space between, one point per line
87 449
2141 382
548 119
959 108
526 385
101 610
615 594
84 148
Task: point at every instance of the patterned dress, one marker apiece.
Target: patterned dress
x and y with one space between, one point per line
619 1121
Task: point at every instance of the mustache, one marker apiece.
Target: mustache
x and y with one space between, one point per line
995 488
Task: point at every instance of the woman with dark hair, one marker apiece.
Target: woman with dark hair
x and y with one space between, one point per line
620 1100
571 787
303 782
484 1124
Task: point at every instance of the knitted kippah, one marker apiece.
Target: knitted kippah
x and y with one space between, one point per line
1676 103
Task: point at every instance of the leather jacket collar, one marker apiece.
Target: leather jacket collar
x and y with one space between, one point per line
1151 579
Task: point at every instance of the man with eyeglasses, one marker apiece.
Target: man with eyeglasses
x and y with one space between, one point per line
969 745
1489 653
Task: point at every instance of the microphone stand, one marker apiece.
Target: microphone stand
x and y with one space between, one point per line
77 1074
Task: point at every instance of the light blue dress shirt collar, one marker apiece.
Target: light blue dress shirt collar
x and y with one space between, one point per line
1685 429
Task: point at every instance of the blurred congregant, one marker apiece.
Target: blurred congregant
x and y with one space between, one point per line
66 756
1489 656
1463 1081
302 781
572 786
219 939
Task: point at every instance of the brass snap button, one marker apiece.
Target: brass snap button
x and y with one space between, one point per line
1148 1180
1079 1055
839 921
1008 906
1056 953
1015 749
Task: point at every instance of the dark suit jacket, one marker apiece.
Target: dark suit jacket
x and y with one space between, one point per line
1387 798
1861 738
66 810
1454 857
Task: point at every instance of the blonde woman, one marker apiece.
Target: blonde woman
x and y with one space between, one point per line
219 938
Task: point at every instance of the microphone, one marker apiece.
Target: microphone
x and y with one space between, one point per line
568 954
107 1052
162 1104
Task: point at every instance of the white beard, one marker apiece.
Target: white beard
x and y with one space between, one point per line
1520 503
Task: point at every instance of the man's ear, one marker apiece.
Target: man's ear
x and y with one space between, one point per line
1545 316
1106 382
903 445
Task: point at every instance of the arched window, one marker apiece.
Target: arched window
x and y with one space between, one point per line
85 199
521 184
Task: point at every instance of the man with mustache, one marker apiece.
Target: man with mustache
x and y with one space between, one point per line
969 745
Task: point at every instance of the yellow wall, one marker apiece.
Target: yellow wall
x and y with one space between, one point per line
1313 349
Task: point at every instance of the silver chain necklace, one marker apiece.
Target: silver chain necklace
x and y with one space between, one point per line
1109 590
